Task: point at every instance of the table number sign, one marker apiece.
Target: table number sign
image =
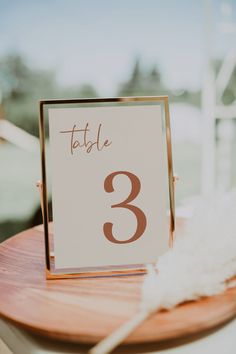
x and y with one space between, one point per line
110 175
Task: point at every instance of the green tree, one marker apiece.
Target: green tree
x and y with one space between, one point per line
143 83
22 87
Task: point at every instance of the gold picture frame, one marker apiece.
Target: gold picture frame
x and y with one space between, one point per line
51 272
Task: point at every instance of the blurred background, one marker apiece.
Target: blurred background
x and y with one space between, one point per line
72 49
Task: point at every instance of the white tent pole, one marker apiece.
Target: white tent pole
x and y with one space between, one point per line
208 108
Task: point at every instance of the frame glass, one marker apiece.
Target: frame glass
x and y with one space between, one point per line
44 106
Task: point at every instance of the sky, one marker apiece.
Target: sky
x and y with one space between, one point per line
97 41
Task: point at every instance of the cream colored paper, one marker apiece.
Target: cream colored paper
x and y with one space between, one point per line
81 206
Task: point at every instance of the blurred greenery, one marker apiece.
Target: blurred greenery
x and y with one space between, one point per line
22 87
149 82
229 94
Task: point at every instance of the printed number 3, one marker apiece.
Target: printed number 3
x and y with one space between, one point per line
140 216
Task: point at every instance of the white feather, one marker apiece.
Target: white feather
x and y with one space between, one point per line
202 259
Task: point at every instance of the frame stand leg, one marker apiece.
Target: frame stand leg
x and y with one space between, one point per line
172 229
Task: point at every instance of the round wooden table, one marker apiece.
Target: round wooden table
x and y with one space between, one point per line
87 310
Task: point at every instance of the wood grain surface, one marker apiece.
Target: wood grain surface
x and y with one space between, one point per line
87 310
